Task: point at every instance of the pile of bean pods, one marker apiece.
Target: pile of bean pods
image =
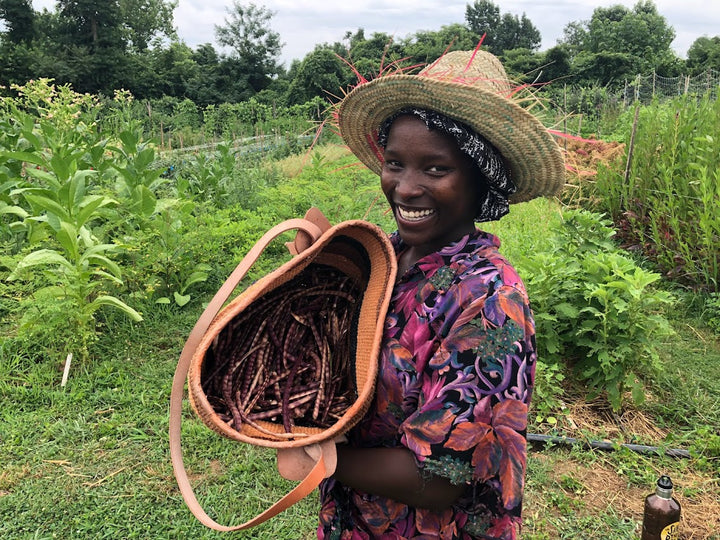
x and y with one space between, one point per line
288 357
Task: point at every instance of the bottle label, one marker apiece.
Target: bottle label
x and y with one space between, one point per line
671 532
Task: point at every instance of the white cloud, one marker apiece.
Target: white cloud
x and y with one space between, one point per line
304 23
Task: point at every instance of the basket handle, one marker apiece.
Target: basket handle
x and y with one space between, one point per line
318 472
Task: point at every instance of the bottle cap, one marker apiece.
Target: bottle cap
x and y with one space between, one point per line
665 482
664 487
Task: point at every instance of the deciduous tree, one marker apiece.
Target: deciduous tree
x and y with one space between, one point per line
502 32
483 18
617 43
19 21
254 46
321 73
367 54
96 24
426 46
704 54
144 20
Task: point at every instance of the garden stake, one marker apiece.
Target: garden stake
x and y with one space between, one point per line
66 371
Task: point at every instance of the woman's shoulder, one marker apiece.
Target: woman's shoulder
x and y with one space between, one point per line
480 259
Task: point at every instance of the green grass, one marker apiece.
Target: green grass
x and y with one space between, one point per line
91 460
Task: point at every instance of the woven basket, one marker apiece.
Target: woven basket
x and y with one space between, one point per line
316 321
347 270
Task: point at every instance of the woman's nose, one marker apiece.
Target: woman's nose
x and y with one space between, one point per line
408 184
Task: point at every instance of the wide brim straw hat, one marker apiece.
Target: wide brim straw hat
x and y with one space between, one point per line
469 86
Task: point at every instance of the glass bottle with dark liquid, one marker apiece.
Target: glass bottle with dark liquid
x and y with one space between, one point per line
661 520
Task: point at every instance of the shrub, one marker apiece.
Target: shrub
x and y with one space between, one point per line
712 311
594 307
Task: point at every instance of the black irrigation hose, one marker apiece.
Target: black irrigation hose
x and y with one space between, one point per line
603 445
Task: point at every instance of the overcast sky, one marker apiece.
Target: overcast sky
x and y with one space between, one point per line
304 23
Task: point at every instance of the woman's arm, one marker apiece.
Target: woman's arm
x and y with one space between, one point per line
393 473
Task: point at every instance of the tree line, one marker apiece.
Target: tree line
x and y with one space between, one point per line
100 46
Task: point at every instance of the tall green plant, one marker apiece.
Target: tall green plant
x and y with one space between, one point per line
666 204
79 268
53 189
595 307
46 135
139 174
209 174
169 268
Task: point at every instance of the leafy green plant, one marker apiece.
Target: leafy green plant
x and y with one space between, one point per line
665 205
13 224
56 105
595 307
618 328
78 281
712 311
547 403
76 273
174 269
140 175
218 241
43 143
204 175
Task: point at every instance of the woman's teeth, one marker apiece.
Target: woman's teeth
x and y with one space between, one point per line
414 215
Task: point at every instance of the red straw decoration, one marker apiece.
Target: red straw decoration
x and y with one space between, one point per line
573 137
372 142
477 48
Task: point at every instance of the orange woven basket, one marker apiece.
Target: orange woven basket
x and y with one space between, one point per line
352 264
292 360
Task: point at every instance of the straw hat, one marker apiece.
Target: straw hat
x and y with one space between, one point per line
469 86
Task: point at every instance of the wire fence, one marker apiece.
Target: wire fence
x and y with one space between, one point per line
645 88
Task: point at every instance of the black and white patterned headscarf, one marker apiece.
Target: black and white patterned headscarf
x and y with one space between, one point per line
494 199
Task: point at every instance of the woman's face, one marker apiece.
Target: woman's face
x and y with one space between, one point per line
431 185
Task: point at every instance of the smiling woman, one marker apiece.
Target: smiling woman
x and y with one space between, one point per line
442 451
431 185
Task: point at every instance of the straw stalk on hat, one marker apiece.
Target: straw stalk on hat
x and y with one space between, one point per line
471 87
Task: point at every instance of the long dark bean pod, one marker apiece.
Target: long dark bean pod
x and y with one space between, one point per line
288 359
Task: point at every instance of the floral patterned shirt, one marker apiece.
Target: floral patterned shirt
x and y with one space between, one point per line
456 375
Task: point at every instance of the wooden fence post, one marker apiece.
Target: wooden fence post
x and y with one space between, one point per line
631 146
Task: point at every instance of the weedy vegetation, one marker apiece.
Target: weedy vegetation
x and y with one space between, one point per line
110 247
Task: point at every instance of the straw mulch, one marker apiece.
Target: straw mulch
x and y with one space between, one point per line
583 157
604 486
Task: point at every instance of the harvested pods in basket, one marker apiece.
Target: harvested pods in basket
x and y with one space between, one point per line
288 358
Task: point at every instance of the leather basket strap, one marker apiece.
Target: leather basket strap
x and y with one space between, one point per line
316 475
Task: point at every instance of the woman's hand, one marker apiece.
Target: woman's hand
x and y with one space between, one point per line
296 463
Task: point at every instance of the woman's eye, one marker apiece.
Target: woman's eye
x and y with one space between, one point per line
438 169
393 164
